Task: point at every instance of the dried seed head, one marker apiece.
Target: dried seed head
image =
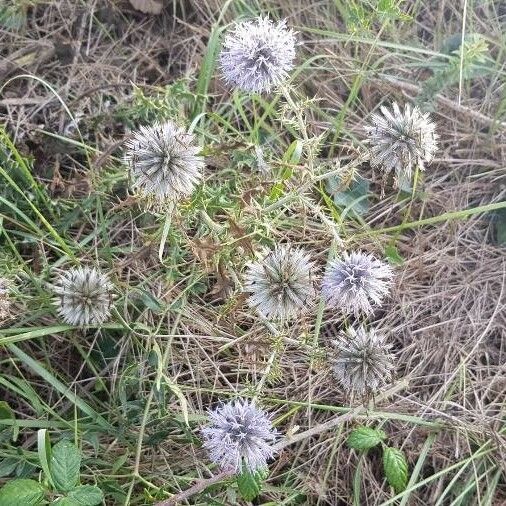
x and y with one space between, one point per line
83 296
364 363
281 283
355 282
401 140
239 436
258 55
164 163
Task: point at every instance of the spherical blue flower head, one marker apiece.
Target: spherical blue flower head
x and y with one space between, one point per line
355 282
239 436
258 55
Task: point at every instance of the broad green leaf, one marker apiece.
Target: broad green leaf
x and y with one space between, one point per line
364 438
66 501
250 484
87 495
395 467
7 466
351 194
65 465
21 493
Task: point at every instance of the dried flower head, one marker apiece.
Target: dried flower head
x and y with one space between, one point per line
5 300
164 163
83 296
401 140
355 282
257 55
281 283
364 363
239 436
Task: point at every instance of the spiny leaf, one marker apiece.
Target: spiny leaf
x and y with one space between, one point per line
250 484
364 438
395 467
65 465
21 493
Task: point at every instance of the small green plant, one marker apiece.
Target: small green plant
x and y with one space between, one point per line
61 484
395 465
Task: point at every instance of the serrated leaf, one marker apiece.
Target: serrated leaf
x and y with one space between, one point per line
395 467
250 484
65 465
21 493
364 438
87 495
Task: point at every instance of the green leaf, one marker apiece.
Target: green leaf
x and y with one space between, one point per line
395 467
21 493
250 484
65 501
87 495
6 411
352 194
393 255
364 438
65 465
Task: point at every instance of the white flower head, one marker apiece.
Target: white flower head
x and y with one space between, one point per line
5 300
355 282
363 363
401 140
164 162
239 436
83 296
281 283
258 55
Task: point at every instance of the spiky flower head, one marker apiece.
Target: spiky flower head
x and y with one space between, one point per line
355 282
363 363
5 300
257 55
164 162
240 436
83 296
281 283
401 140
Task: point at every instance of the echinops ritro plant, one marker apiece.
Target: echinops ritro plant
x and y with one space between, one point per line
84 296
239 436
356 282
257 55
363 363
164 162
401 140
281 282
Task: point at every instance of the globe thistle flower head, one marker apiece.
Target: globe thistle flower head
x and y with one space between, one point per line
239 436
363 363
355 282
5 300
281 283
83 296
164 162
401 140
257 55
